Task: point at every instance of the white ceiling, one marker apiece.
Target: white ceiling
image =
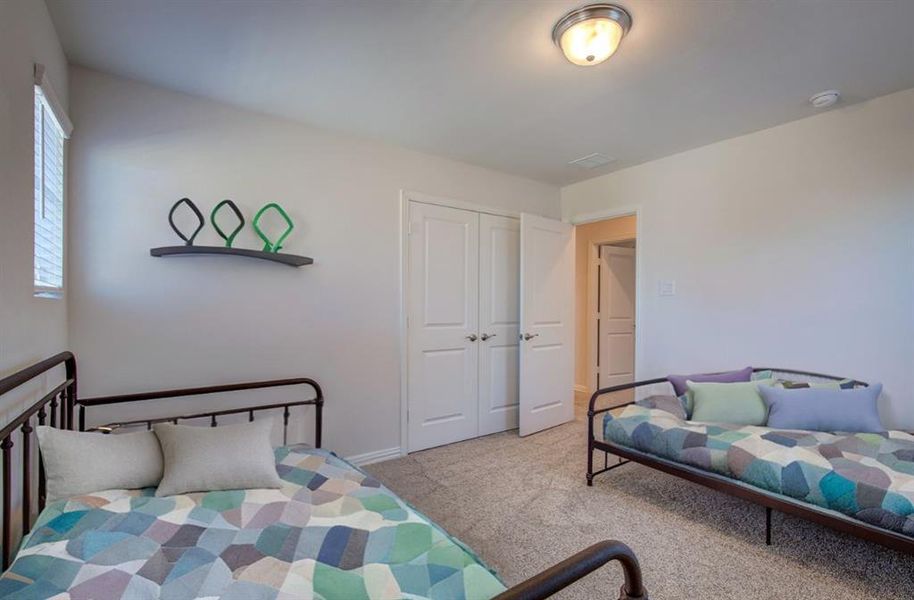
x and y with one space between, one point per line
480 81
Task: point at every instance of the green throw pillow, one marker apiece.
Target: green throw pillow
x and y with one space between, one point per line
733 403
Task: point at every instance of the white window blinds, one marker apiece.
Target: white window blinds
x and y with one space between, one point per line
51 130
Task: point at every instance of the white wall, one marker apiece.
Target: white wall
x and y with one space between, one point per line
139 322
792 246
30 328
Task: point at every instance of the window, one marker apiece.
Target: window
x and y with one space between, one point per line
51 130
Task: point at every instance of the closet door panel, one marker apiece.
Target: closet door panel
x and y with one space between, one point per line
499 320
443 320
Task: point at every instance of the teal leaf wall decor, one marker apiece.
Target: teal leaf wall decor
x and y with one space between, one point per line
270 246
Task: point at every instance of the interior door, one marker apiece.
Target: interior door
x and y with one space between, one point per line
442 325
617 316
547 323
499 322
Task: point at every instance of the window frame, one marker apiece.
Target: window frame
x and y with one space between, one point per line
51 110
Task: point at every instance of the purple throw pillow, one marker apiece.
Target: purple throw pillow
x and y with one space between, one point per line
679 381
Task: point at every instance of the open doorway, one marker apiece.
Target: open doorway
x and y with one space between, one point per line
605 295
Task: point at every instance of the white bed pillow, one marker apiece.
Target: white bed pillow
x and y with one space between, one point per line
78 463
202 459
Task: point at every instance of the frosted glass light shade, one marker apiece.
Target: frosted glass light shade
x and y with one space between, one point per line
590 35
591 42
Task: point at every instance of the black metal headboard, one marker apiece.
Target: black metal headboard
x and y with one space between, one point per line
317 401
56 409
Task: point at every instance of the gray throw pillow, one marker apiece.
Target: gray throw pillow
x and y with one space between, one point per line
231 457
824 409
78 463
664 402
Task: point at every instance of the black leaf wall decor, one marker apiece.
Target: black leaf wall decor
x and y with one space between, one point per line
188 241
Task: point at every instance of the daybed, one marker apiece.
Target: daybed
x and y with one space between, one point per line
861 484
330 530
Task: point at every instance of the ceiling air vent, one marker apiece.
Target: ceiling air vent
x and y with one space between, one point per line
591 161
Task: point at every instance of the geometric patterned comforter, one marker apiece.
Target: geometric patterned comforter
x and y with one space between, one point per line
331 531
867 476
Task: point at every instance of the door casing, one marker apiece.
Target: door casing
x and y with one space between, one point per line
592 256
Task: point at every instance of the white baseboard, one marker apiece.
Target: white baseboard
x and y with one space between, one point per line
374 457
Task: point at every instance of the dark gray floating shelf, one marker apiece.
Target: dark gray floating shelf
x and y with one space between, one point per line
292 260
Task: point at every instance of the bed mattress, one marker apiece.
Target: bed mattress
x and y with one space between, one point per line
866 476
331 531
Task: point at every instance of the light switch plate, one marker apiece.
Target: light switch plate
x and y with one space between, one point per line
667 288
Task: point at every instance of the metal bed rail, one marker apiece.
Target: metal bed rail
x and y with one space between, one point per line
574 568
317 401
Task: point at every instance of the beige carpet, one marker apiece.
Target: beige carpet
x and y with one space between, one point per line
523 505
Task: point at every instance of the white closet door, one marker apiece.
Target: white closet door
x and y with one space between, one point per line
617 316
547 323
499 319
443 325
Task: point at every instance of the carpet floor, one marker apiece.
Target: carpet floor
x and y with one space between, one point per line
522 504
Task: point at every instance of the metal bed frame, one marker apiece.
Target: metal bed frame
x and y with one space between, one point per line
56 408
770 501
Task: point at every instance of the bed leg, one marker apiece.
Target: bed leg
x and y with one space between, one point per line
589 449
590 464
767 525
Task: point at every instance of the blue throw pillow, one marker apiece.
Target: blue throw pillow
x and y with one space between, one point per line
824 409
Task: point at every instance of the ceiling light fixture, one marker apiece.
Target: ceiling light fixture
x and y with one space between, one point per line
591 34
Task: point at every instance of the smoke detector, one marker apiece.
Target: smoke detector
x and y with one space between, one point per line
825 99
591 161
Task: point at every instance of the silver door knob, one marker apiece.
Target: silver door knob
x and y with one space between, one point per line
472 337
486 336
528 336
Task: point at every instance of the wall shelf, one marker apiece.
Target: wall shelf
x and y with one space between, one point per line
292 260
